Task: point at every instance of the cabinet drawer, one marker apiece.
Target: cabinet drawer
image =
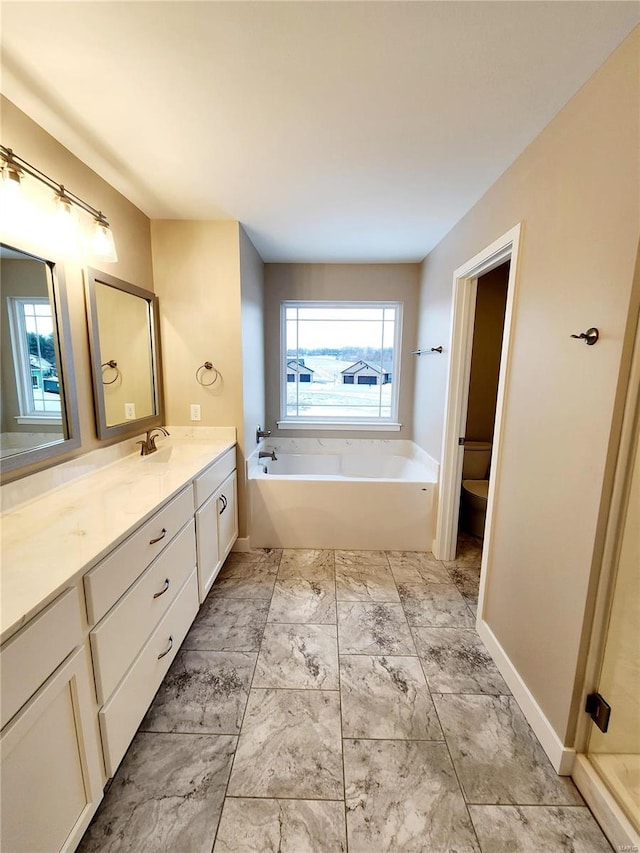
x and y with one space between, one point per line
206 484
122 633
29 658
123 713
111 578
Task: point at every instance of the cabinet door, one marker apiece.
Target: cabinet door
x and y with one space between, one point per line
207 545
227 516
50 771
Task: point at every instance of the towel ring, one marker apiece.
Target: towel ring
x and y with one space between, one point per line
113 365
207 366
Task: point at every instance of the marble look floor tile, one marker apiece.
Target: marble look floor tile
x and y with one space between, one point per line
258 586
404 796
228 624
302 656
373 629
266 556
468 552
532 829
306 563
467 579
249 568
374 583
290 746
386 697
303 600
497 756
417 566
361 558
455 660
202 692
281 826
434 604
167 795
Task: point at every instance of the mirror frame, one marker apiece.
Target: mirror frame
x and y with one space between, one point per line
32 459
138 425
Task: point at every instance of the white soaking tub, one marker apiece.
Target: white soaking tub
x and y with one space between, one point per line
331 493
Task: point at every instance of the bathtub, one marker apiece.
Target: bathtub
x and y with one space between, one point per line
356 495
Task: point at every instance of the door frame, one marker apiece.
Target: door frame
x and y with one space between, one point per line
605 807
465 282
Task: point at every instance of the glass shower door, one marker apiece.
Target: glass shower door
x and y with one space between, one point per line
616 753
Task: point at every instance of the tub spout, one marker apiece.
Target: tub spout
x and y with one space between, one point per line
271 455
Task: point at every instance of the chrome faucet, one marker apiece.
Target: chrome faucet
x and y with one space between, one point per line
263 454
262 433
148 445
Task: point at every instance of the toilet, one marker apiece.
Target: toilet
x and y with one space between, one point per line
475 487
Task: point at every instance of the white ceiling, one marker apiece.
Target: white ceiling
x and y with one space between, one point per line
334 131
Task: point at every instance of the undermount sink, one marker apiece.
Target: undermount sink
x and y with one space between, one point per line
161 455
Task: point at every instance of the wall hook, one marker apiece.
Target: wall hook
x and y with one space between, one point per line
590 337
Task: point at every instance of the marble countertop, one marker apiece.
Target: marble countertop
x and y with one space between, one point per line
50 541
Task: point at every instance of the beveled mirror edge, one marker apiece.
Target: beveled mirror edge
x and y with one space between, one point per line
33 460
139 425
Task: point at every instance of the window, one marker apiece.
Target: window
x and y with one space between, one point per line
340 364
34 358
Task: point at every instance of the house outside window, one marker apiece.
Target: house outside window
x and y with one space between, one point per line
340 364
34 357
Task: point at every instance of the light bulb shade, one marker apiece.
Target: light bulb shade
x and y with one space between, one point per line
104 247
63 226
11 182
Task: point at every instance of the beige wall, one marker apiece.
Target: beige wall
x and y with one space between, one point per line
491 302
130 227
575 189
206 275
252 293
356 282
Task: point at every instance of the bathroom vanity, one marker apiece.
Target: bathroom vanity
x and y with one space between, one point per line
101 579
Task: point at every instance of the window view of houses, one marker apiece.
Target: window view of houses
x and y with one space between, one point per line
339 361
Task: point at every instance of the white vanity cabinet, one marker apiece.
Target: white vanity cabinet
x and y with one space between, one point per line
216 503
79 676
149 600
51 771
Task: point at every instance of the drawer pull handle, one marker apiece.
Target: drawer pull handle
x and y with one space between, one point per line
224 503
162 654
158 538
163 590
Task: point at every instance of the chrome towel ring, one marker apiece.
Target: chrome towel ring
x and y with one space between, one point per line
110 365
199 375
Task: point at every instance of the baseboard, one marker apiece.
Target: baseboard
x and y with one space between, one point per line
561 757
241 544
614 823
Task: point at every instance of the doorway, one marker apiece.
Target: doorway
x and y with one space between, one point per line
484 374
465 288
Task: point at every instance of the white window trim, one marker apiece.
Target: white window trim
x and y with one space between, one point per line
390 424
17 330
368 426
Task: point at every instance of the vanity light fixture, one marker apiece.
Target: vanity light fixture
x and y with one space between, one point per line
14 167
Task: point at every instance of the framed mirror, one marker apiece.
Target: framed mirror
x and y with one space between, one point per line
124 342
38 406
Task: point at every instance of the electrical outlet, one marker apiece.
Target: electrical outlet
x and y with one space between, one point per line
130 411
195 411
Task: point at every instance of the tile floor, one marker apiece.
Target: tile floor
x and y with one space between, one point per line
332 701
